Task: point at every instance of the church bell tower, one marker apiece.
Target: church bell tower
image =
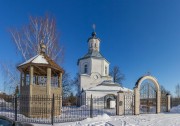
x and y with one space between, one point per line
94 43
93 67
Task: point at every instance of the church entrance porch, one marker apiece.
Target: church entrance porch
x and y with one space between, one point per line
110 101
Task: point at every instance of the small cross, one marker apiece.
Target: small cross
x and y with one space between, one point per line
148 73
94 27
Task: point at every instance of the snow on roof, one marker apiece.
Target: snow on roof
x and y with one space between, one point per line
40 59
108 85
108 88
36 59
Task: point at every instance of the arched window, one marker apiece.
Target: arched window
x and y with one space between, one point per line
106 70
85 68
95 45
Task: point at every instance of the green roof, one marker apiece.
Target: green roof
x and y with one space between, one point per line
92 54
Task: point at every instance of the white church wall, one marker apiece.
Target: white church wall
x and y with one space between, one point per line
99 94
105 64
88 81
85 82
97 66
99 97
94 44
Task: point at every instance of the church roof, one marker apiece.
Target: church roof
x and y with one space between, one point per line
41 60
92 54
108 85
108 88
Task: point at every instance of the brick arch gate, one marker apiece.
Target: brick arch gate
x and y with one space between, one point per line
137 93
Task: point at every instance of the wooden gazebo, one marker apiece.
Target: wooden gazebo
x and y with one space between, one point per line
40 77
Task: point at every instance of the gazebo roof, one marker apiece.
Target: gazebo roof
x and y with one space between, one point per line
41 60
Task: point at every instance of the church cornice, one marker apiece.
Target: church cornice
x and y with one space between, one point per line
95 56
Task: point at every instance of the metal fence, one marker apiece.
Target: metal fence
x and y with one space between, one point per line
49 110
128 104
175 102
164 102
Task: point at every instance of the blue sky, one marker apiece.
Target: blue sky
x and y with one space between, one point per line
139 36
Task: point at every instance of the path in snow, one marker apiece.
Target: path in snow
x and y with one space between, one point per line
163 119
147 120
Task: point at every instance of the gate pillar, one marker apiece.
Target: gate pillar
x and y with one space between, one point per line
158 101
136 101
168 102
120 103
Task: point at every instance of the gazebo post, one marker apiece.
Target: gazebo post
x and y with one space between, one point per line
24 83
48 85
31 72
60 80
21 83
31 75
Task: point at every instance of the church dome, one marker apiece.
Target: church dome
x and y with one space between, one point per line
93 36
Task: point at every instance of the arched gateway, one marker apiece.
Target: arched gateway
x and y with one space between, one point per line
147 90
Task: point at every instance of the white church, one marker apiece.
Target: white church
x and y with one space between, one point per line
94 78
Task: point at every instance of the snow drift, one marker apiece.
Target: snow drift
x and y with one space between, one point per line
175 109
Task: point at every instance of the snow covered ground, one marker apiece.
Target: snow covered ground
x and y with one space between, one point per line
162 119
166 119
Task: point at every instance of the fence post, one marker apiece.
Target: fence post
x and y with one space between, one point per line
91 107
52 111
124 104
120 103
168 106
117 104
171 101
15 108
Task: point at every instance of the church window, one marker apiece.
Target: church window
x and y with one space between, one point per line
105 69
95 45
85 68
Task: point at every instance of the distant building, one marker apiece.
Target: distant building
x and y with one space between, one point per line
94 78
1 92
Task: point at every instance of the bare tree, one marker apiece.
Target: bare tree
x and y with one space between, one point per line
27 40
164 90
66 83
75 83
11 77
177 90
118 77
40 29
